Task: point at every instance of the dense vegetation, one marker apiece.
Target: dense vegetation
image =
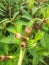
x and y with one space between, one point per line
24 32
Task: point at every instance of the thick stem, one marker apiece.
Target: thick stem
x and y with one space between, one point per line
22 52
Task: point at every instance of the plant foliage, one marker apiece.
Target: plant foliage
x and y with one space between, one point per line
24 32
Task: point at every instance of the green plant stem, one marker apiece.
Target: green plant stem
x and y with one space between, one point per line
22 52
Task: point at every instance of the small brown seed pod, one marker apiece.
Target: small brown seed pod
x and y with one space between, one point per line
2 57
23 44
28 30
44 1
17 35
44 21
39 1
36 26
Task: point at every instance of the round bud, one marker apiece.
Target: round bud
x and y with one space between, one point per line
37 26
44 20
2 57
28 30
39 1
44 1
18 36
23 44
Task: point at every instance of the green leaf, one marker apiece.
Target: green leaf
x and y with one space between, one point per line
31 44
34 10
8 40
15 14
26 15
19 27
47 12
30 23
9 62
30 3
39 35
2 6
11 29
6 20
45 27
45 41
